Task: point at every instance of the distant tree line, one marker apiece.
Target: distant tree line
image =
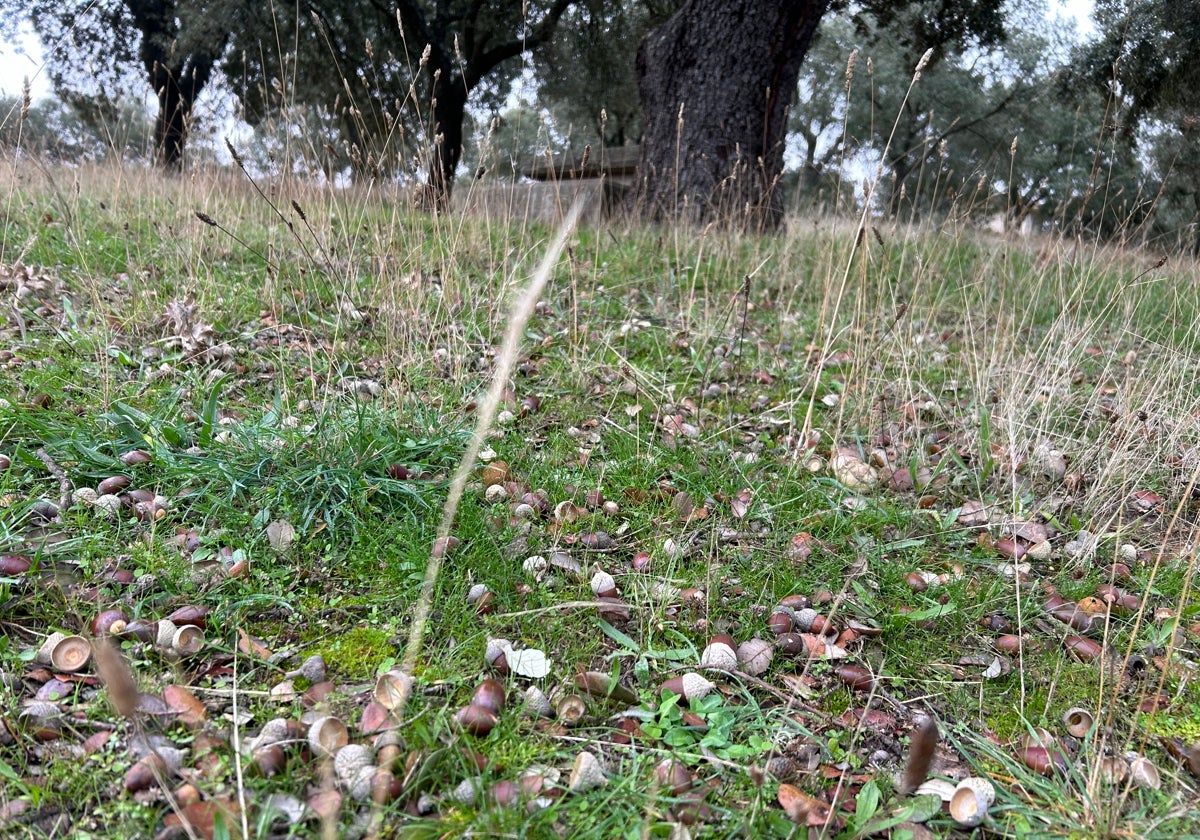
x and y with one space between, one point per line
735 101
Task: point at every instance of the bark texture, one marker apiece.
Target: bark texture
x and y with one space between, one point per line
716 81
176 75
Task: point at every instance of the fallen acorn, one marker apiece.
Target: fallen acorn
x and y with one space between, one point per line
603 585
495 655
754 656
586 773
719 654
780 622
109 622
14 564
1083 649
1044 760
269 760
475 719
690 686
1077 721
64 653
495 473
327 735
972 798
673 775
856 677
600 684
152 769
490 695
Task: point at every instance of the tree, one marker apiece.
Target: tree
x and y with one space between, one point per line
387 69
716 81
585 74
1145 62
93 46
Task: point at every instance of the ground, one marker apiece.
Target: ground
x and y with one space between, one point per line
916 475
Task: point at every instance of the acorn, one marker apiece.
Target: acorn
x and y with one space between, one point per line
490 695
690 686
1072 615
795 601
754 656
494 655
477 720
600 684
1008 643
495 473
135 457
604 585
571 709
14 564
1044 761
274 731
586 773
152 768
113 485
537 703
1078 722
780 622
193 614
1083 649
719 654
64 653
392 689
109 622
327 735
673 775
269 760
856 677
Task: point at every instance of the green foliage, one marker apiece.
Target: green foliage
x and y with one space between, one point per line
713 732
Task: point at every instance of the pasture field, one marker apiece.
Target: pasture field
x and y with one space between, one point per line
974 458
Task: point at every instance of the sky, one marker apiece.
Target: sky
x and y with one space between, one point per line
23 59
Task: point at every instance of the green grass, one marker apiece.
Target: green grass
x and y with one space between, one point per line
363 338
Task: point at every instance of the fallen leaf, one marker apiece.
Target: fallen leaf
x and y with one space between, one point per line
281 535
802 808
201 817
251 646
530 662
191 712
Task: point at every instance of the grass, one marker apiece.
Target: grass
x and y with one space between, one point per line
703 383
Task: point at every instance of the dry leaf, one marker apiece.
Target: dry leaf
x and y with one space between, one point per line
281 535
191 712
801 808
251 646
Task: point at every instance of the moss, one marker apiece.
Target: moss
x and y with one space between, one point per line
1185 726
356 653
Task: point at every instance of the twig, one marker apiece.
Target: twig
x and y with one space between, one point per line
64 483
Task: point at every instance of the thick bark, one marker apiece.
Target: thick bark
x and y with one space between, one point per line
177 77
716 81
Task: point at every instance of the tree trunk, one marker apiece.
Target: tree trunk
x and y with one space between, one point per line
716 81
449 109
171 124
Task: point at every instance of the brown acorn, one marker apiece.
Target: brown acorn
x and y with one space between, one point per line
109 622
477 720
490 695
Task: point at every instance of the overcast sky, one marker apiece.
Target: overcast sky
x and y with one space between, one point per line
15 67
